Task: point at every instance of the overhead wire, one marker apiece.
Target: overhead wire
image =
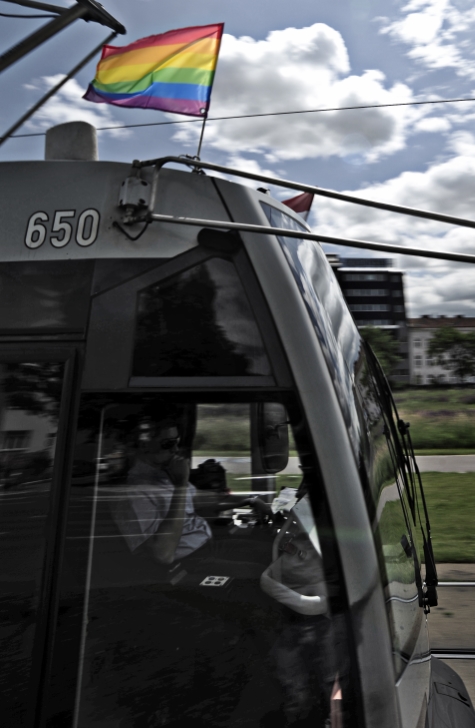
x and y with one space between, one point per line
268 114
14 15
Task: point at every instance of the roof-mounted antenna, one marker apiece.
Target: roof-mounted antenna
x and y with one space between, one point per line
88 10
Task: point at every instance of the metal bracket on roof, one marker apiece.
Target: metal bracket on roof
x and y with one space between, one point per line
134 198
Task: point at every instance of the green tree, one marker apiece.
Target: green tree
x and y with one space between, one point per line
455 351
384 345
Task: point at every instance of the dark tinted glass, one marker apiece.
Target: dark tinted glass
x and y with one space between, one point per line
195 605
311 257
29 407
277 218
389 505
198 323
46 296
334 326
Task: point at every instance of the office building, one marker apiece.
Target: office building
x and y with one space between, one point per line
374 291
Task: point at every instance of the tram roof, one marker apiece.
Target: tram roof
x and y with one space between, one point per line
43 197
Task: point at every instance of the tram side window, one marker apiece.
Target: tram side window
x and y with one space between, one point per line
198 323
392 523
244 623
29 408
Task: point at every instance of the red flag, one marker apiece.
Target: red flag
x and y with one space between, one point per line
301 204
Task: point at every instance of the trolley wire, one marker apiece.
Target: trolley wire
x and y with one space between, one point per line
15 15
269 114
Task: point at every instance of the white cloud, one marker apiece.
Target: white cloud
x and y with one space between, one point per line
432 286
420 28
302 68
447 186
438 33
446 292
249 165
237 161
68 105
433 124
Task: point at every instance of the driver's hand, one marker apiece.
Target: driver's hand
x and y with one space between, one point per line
178 469
261 508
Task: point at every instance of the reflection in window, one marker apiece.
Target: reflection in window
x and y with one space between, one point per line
238 627
334 326
29 399
15 440
46 295
393 524
198 323
279 219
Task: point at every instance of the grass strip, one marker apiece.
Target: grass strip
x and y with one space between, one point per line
451 504
447 451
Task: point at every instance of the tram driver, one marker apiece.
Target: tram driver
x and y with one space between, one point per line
162 515
158 516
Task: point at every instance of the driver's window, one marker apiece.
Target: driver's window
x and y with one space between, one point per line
194 577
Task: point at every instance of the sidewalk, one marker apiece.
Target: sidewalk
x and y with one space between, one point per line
456 572
446 463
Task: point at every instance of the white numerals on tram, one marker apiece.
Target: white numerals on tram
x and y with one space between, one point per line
60 225
62 228
36 232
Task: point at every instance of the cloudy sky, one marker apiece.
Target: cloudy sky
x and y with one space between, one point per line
306 54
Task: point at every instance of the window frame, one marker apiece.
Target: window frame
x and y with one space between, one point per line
55 533
113 324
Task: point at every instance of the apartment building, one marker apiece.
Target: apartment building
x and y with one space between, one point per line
420 331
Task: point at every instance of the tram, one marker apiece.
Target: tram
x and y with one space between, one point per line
210 509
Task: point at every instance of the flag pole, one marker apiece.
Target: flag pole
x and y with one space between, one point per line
197 156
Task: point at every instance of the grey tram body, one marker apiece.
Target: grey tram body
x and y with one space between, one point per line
55 187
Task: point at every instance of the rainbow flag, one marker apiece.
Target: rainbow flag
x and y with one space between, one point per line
173 71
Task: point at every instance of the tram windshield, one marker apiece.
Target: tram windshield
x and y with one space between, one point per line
200 587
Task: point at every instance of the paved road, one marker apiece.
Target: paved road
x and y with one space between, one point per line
440 463
451 623
446 463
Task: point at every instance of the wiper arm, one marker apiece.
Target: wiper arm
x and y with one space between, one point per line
405 454
432 578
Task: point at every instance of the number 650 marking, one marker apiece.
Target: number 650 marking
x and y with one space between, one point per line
61 229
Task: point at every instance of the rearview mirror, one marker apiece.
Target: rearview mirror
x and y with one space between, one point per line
273 436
